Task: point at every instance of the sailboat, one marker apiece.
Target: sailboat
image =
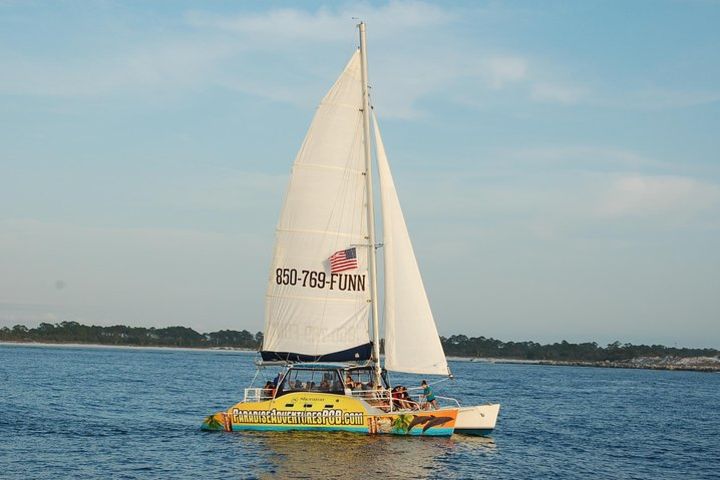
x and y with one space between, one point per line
322 321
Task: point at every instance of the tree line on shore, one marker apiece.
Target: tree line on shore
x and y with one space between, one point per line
455 345
74 332
462 346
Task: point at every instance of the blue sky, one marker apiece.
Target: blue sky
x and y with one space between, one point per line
558 162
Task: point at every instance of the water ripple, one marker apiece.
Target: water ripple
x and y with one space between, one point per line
117 413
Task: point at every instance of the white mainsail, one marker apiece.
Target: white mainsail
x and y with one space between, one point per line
412 343
308 310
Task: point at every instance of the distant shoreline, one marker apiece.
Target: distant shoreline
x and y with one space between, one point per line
686 364
126 347
692 364
613 355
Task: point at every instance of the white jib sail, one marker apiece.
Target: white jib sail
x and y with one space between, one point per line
412 343
310 310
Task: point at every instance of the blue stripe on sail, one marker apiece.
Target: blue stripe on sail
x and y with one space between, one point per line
354 354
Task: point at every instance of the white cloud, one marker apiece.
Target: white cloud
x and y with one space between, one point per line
642 195
569 192
567 94
664 98
417 50
414 48
231 191
167 65
502 70
280 25
277 27
576 157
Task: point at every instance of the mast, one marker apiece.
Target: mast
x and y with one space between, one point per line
372 264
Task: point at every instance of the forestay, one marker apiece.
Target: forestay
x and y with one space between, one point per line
311 313
412 343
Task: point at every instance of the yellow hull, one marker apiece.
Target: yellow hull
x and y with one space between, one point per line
330 412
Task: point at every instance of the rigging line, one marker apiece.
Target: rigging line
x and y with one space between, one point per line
257 372
431 383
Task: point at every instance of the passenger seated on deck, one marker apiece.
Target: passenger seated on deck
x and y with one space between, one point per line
401 398
409 403
324 385
368 388
298 385
378 394
268 390
349 383
395 393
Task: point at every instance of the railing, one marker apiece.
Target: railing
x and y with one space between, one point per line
376 398
256 395
422 403
449 400
383 399
405 404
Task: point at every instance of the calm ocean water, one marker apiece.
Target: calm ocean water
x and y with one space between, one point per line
75 412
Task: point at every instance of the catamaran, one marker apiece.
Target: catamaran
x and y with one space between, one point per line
322 322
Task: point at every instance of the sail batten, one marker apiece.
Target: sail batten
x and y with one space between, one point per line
412 344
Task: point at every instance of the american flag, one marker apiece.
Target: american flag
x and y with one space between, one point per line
343 260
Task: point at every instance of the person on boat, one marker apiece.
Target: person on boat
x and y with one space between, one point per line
378 392
405 401
268 390
397 397
349 382
367 388
378 398
325 385
429 395
401 398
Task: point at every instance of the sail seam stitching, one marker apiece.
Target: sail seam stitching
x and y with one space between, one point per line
320 232
328 167
337 104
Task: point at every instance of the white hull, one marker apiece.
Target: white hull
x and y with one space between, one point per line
478 419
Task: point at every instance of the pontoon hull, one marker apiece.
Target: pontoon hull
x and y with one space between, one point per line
477 420
330 412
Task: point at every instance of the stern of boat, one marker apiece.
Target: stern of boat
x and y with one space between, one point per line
216 423
478 419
